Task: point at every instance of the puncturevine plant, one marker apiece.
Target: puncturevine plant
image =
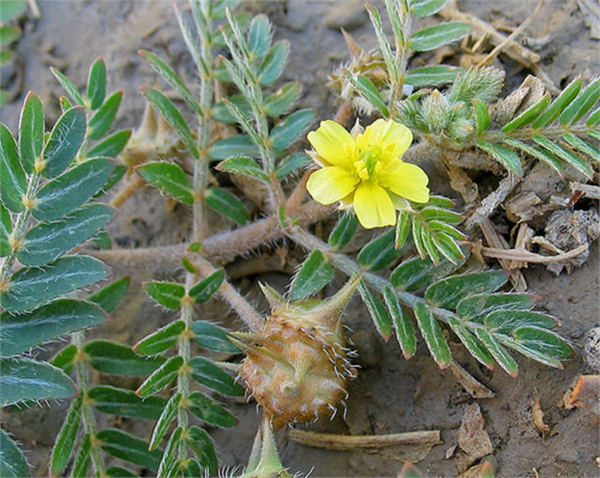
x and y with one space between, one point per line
60 190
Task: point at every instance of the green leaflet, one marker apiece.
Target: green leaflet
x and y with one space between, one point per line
291 164
103 119
448 292
416 273
9 34
403 326
212 337
433 335
366 87
109 357
109 297
172 116
559 104
380 252
126 403
432 75
201 444
506 157
190 468
222 111
209 411
96 85
5 231
207 287
161 340
165 417
482 115
12 176
31 287
537 153
564 154
314 274
227 204
120 472
498 352
543 343
31 131
129 448
21 332
259 36
170 179
69 87
83 458
425 8
279 102
67 192
471 343
12 461
290 129
476 307
245 167
167 74
168 463
506 321
240 145
343 231
12 9
207 373
112 145
528 116
64 141
439 35
65 358
65 440
271 67
25 379
377 311
167 294
161 377
47 242
584 101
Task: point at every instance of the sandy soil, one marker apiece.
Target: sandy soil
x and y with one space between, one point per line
390 395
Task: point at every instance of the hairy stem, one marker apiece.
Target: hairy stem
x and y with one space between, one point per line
87 413
16 238
220 248
246 312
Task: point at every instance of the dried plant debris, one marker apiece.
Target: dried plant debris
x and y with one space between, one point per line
473 440
537 417
567 230
585 393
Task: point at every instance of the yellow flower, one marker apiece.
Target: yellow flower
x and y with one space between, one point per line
366 170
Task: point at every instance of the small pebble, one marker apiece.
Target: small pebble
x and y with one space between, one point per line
591 349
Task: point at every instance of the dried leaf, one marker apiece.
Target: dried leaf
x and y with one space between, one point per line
472 438
537 417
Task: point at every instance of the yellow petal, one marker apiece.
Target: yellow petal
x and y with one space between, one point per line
331 184
373 206
407 180
394 137
334 144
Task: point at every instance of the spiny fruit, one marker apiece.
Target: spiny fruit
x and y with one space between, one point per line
296 367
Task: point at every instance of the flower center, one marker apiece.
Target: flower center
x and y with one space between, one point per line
369 162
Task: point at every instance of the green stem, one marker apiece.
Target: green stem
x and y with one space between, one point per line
350 267
19 229
89 420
